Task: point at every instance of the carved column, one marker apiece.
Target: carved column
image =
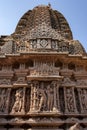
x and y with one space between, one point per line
56 106
74 100
58 97
33 103
80 96
8 100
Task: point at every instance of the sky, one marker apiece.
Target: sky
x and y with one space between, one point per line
75 11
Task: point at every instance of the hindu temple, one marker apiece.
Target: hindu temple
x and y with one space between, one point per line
43 74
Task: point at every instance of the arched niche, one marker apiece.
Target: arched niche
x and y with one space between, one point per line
59 64
16 65
71 66
29 63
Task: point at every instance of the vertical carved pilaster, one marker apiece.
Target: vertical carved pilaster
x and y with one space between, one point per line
56 106
4 100
23 108
58 97
74 100
80 98
66 110
8 99
31 102
34 103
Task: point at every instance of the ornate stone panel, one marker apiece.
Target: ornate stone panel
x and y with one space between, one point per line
83 99
44 96
17 101
70 104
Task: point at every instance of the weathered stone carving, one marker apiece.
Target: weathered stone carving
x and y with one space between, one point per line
75 127
68 82
5 81
4 100
81 82
44 69
70 104
20 80
56 106
18 106
83 99
34 96
44 97
50 95
43 74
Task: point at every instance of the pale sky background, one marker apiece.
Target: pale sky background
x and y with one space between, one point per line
75 11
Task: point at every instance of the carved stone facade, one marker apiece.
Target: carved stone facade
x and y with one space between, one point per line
43 75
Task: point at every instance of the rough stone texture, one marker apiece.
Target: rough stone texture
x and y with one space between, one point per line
43 75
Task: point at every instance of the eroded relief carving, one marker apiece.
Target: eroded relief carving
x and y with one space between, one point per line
44 69
44 96
75 127
18 106
4 100
56 106
21 80
34 96
5 81
68 82
83 99
69 100
50 95
81 82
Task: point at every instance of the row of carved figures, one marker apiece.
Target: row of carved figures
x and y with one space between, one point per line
43 97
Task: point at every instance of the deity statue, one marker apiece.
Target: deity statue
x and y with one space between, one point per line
43 98
50 98
17 107
84 101
69 99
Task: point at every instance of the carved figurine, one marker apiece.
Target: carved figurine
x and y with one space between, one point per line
43 98
69 100
50 97
84 97
17 107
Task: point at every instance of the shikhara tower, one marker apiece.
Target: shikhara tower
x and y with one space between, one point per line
43 75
